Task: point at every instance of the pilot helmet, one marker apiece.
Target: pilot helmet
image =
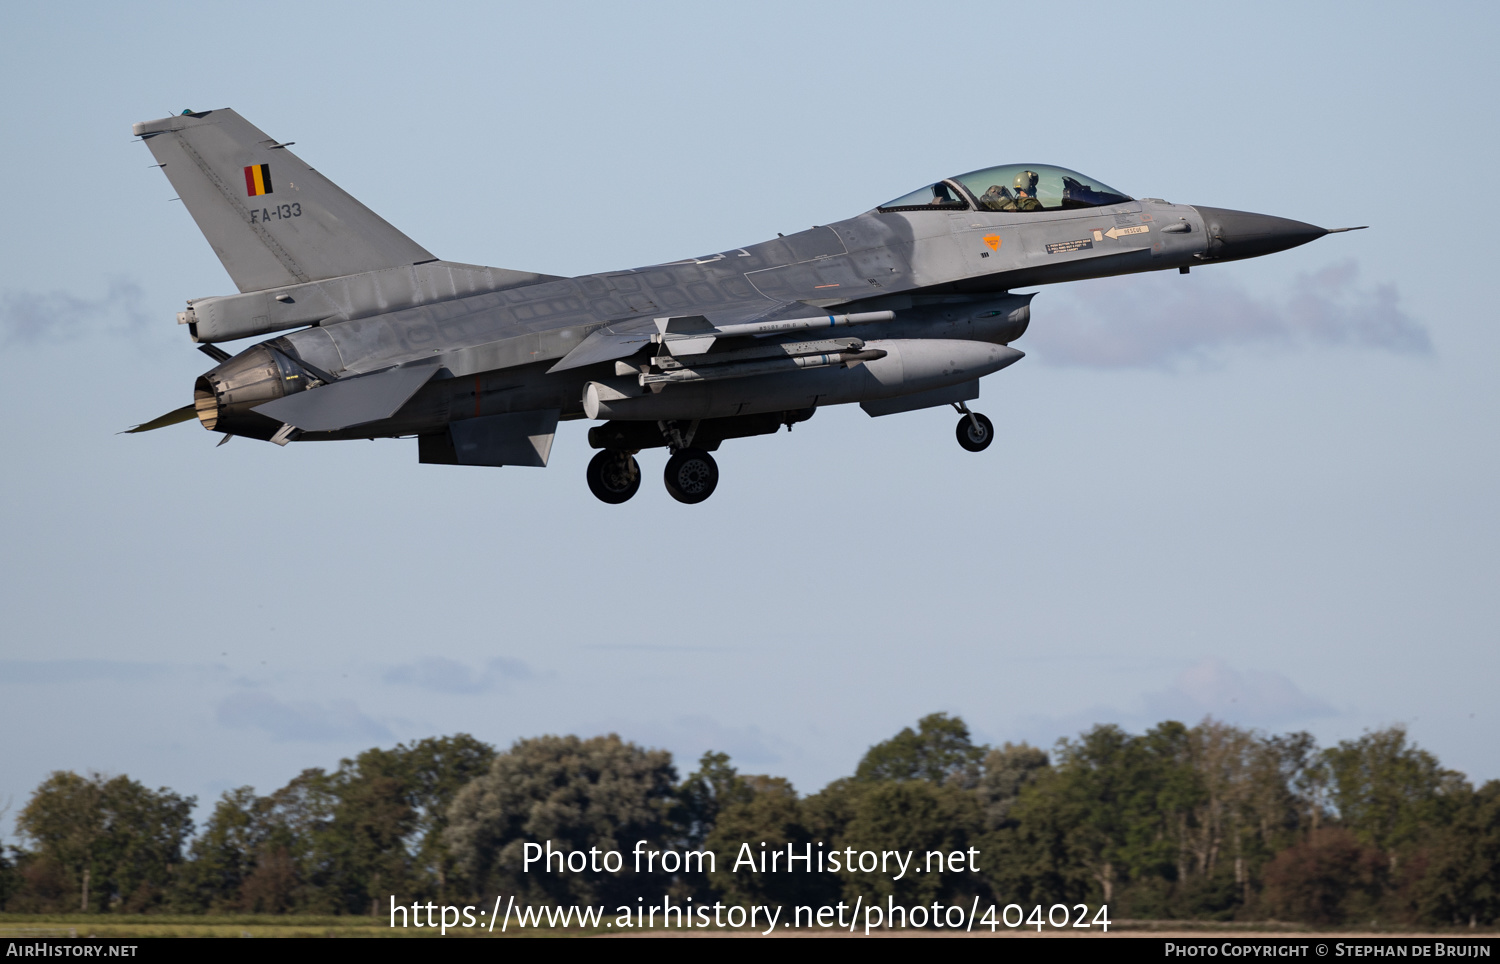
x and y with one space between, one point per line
1026 181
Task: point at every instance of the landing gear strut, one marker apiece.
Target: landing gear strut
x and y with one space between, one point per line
614 476
975 432
691 475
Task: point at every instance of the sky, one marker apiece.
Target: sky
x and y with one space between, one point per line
1264 491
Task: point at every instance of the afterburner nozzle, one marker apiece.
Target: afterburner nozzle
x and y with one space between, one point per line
224 395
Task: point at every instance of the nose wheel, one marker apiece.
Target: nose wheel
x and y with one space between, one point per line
975 432
614 476
691 476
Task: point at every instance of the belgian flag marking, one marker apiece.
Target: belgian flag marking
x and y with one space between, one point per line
258 180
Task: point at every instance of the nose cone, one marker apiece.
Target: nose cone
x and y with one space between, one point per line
1239 234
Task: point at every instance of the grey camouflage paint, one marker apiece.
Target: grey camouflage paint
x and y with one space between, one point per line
428 345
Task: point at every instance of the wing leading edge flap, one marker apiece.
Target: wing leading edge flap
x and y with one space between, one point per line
350 401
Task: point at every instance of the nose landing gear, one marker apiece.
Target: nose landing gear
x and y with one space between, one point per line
975 432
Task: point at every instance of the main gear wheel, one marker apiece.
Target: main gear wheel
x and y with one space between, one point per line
691 476
614 476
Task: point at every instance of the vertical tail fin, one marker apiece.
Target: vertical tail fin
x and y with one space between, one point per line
271 219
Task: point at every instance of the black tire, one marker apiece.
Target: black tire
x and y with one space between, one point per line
614 476
972 438
691 476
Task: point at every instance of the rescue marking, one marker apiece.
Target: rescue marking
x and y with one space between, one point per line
993 240
1067 247
1122 232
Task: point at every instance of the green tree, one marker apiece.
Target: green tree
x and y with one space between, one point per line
1462 882
66 822
348 841
294 868
118 843
764 815
1120 798
600 794
1328 878
922 819
705 793
938 751
435 770
225 854
363 846
41 886
1387 792
10 875
340 842
1007 771
1032 857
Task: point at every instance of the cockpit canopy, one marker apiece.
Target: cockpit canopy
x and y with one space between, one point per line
1012 187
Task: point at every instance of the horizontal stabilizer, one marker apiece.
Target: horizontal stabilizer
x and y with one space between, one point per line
182 414
350 401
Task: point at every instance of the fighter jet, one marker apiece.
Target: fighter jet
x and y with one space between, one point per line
904 307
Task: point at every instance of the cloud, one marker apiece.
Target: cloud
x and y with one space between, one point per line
30 317
76 671
1167 321
1257 698
447 676
1210 687
308 722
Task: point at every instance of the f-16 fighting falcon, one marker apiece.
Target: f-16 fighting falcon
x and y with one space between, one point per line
901 308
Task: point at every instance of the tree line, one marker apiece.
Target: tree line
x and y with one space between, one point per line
1210 822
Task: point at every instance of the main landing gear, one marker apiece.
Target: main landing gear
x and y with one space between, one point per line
975 431
614 476
691 476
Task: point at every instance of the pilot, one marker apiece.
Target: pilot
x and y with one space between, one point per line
1025 199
